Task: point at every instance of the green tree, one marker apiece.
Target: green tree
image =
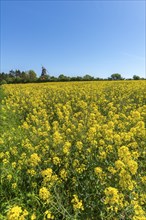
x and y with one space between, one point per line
135 77
3 82
24 77
18 73
53 79
116 76
12 73
10 79
32 76
63 78
88 77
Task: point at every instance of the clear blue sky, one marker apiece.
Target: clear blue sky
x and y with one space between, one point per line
74 37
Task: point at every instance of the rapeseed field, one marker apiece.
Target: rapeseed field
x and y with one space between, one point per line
73 151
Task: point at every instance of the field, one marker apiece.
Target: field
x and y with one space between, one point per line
73 151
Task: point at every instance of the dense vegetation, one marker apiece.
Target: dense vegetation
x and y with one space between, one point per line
18 76
73 151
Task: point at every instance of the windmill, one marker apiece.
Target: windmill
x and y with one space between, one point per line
45 74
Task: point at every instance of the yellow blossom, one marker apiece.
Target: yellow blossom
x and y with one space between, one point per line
44 194
48 215
34 159
77 204
98 170
56 160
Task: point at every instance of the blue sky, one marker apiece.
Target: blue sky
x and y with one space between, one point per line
74 37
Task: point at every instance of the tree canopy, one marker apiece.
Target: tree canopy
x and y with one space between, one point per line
18 76
116 76
135 77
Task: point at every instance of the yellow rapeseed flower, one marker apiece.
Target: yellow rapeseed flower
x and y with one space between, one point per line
44 194
77 204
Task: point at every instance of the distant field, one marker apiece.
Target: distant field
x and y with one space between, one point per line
73 150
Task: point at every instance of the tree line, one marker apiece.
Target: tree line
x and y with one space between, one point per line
30 76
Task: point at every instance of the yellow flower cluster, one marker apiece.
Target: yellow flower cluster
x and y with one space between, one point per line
48 215
73 150
34 159
16 213
77 204
44 194
113 199
98 171
139 213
